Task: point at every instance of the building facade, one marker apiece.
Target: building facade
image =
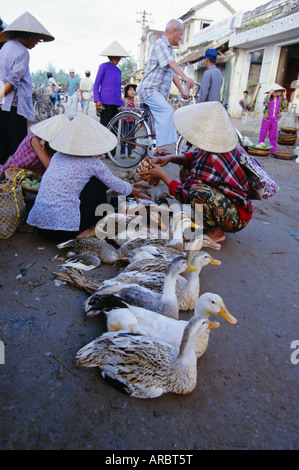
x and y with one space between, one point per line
266 53
255 48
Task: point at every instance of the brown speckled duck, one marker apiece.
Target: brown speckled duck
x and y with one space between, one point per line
143 366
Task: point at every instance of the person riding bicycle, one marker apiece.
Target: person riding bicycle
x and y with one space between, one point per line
52 87
154 88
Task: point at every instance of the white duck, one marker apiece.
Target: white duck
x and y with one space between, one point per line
146 367
165 302
148 322
187 290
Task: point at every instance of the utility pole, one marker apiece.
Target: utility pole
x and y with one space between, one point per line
143 22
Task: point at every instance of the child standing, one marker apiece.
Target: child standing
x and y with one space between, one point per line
274 103
129 102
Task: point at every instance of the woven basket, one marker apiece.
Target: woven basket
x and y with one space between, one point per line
11 173
284 155
258 151
291 130
288 139
12 208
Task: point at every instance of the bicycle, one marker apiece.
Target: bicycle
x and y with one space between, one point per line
135 135
137 140
45 106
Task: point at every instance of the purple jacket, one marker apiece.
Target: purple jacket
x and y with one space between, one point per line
107 85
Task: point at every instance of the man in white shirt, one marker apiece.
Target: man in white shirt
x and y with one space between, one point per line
86 87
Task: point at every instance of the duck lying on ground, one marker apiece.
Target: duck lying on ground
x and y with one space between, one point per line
165 302
146 367
187 290
89 253
122 316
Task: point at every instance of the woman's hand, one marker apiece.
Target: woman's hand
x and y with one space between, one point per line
155 173
138 192
162 161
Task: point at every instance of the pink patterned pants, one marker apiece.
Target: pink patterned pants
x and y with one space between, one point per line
271 127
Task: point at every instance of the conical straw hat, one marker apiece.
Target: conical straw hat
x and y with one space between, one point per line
48 128
207 126
84 136
29 24
115 50
275 87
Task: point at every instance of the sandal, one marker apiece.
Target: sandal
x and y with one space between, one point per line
161 152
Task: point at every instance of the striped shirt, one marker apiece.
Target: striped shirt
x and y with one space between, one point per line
158 75
221 171
210 85
14 68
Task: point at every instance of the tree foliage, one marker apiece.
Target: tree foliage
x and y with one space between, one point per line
127 66
40 77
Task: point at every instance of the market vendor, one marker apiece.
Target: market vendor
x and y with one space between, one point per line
16 106
211 175
76 181
34 152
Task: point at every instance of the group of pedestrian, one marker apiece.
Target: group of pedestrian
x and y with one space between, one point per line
75 180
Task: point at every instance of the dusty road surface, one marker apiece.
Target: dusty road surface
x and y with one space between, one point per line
247 391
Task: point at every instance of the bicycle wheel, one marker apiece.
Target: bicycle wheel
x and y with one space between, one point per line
41 111
133 139
240 135
59 109
183 146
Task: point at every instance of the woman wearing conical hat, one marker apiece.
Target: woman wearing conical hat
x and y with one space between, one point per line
76 181
274 103
107 85
215 180
15 81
